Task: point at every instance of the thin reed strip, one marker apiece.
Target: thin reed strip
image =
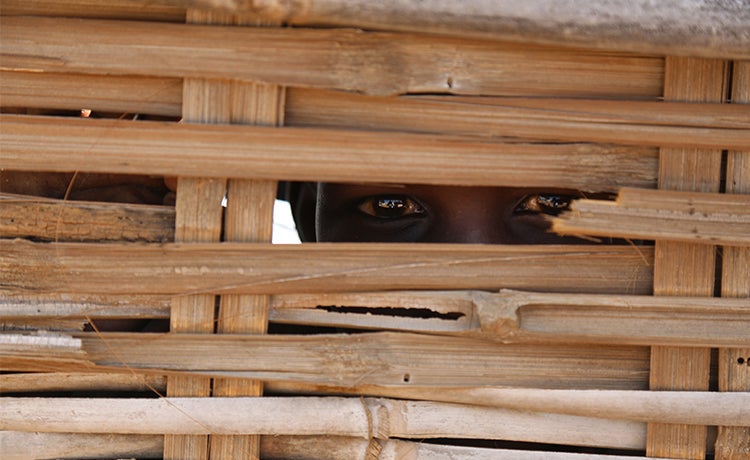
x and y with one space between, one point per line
306 154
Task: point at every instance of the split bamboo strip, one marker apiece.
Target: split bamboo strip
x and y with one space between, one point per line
254 268
680 27
685 268
342 360
77 381
555 119
693 217
59 220
112 9
733 443
513 316
369 62
24 445
111 93
359 417
306 154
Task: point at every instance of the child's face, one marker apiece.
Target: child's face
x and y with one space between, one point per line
424 213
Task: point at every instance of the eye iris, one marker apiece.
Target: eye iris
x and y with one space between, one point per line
553 204
389 204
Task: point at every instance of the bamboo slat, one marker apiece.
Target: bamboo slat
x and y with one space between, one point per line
55 144
358 417
40 306
17 445
253 268
370 62
733 443
680 27
685 268
357 361
513 316
60 220
693 217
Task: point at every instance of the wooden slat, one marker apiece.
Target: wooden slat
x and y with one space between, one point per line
684 268
315 155
29 305
267 269
369 62
733 442
680 27
707 218
112 9
111 93
59 220
357 361
73 381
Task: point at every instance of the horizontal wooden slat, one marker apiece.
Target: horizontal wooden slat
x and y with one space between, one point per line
66 144
79 381
111 93
358 361
377 63
680 27
81 306
709 218
58 220
254 268
359 417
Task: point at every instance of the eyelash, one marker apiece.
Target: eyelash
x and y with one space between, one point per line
390 206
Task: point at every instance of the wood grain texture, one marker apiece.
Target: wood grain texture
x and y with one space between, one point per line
684 268
113 9
254 268
308 154
59 220
370 62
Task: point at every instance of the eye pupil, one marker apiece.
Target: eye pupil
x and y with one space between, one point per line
391 203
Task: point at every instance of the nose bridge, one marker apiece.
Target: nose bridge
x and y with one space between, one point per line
475 224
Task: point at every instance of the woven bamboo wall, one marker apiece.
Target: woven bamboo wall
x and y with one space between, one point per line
430 350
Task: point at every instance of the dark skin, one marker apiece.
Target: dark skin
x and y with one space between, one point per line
439 214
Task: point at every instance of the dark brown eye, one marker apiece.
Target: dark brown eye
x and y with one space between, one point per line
545 203
390 206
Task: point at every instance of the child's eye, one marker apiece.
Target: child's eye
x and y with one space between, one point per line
390 206
544 203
